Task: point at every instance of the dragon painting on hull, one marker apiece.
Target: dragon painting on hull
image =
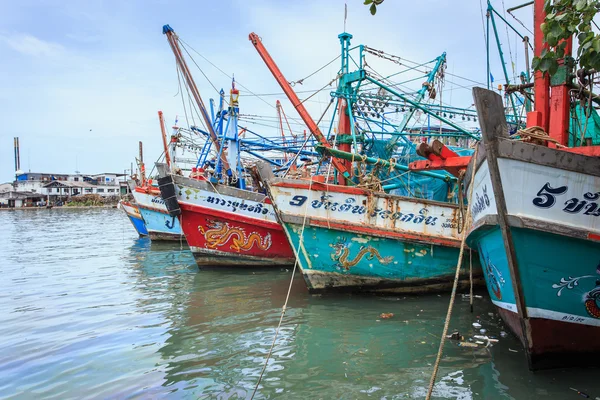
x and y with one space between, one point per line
220 234
342 252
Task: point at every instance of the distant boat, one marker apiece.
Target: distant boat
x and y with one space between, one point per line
133 213
159 224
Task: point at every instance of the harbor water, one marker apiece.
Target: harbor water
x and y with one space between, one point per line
88 310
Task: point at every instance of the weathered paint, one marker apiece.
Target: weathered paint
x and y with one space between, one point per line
133 213
358 240
540 192
160 225
553 217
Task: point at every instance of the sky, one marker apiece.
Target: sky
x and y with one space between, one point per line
82 81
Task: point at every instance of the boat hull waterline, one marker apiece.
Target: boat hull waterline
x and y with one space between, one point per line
560 272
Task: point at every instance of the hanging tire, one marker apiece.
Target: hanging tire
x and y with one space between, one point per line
167 192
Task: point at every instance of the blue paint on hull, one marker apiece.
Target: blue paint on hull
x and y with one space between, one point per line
139 225
558 273
159 223
344 260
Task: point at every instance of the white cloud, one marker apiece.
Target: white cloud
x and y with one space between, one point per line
30 45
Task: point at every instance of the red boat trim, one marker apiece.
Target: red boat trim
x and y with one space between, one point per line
385 233
148 190
593 236
320 187
229 216
592 151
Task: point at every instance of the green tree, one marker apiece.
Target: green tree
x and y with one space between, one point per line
374 4
566 18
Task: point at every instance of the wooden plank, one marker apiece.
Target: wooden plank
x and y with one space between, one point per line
490 111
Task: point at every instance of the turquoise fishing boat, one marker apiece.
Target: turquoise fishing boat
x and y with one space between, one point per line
348 238
535 208
536 229
370 226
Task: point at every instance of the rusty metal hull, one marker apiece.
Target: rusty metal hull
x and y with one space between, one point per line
557 343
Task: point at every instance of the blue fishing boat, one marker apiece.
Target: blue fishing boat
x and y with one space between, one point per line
133 213
160 225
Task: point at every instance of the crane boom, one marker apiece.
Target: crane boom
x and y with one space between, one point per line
287 89
173 42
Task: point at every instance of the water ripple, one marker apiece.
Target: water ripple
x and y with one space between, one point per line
88 310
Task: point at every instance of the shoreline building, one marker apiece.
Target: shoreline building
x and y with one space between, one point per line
32 188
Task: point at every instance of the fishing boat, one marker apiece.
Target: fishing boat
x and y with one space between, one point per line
355 239
535 227
133 213
160 225
225 223
353 235
226 226
535 208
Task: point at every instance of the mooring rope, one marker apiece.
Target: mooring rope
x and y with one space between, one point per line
455 285
287 297
537 133
471 279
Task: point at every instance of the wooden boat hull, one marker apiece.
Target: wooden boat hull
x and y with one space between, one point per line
562 316
133 213
536 227
230 227
351 239
160 225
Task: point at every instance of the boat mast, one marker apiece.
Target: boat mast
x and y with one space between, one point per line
426 88
287 88
344 132
164 138
280 123
142 166
174 43
231 135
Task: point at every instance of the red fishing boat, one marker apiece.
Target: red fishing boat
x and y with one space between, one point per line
224 223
